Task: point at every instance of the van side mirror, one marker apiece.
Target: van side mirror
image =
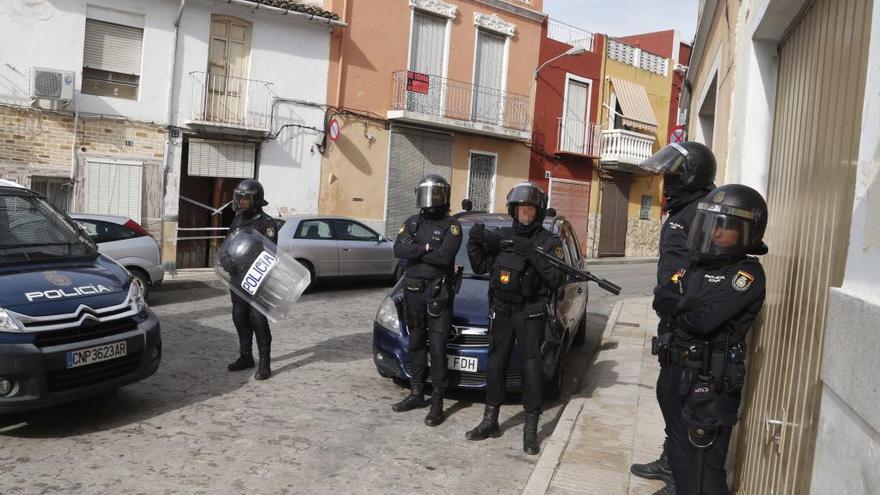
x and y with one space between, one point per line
551 212
467 205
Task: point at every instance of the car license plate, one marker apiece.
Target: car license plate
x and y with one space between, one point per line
462 363
96 354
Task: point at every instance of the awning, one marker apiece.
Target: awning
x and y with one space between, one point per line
634 103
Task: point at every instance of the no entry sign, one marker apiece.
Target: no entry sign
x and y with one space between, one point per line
333 130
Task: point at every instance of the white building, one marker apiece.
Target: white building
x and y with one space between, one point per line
172 103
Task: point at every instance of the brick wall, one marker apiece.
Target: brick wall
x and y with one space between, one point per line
39 143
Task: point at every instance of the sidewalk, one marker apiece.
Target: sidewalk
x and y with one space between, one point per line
614 421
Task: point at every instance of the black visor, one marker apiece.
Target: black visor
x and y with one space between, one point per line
238 195
718 234
666 161
431 195
526 194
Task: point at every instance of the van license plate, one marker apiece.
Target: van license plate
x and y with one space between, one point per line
96 354
462 363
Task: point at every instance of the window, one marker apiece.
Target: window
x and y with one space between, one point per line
112 59
572 245
489 77
57 190
577 116
114 188
481 181
314 229
106 231
352 231
645 211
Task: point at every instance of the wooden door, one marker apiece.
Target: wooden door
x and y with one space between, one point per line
612 231
226 94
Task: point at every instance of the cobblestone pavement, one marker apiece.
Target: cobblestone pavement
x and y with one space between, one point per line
322 424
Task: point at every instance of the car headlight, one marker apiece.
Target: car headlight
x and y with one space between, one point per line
387 315
8 323
136 296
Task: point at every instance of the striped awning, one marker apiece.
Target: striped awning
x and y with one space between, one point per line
634 105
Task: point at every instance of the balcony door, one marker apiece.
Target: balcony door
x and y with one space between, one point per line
576 136
489 78
226 86
427 55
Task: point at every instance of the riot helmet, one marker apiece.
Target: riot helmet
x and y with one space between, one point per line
252 188
687 167
527 193
730 221
432 193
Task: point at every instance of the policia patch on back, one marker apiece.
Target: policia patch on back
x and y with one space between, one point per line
742 281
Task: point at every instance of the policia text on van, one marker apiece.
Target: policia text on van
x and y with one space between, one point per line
72 321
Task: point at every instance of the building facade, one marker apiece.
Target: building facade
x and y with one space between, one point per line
789 98
420 87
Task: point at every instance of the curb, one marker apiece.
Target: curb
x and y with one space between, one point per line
551 455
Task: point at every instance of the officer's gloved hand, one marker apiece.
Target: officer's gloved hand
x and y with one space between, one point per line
666 299
478 232
523 246
406 237
688 303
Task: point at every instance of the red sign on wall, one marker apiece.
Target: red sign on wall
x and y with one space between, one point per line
678 134
417 82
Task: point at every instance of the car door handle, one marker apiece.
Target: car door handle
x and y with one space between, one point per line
346 249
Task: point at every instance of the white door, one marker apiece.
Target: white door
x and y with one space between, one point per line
488 78
226 94
427 53
576 121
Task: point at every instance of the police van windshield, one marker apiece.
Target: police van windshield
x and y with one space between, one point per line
32 230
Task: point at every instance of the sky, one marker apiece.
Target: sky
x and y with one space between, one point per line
626 17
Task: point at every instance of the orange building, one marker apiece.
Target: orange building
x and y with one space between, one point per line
428 86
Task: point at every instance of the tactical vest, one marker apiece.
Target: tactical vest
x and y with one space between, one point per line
513 278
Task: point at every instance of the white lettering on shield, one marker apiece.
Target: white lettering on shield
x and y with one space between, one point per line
258 272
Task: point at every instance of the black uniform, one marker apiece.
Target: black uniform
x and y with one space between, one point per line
248 321
711 305
521 284
428 244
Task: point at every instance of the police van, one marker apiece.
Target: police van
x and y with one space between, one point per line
72 321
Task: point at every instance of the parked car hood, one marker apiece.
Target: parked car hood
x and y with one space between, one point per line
60 288
472 303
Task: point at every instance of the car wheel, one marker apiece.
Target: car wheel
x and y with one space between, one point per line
311 270
143 280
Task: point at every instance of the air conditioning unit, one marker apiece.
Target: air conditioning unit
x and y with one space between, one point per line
51 84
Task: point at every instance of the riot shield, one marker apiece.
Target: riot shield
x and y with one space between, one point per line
255 269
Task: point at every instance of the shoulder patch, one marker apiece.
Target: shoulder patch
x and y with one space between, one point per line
455 230
270 232
402 228
742 281
677 276
557 251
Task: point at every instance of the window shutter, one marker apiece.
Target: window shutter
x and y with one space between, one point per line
114 188
113 47
428 43
221 159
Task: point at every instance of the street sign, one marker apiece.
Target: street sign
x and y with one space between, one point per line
417 82
333 130
678 134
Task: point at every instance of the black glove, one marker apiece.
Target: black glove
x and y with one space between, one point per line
478 232
666 298
523 246
406 237
688 303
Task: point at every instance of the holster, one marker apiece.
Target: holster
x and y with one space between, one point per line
661 347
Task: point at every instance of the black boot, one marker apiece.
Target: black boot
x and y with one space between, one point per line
435 415
530 434
245 361
655 470
669 489
415 399
488 427
263 370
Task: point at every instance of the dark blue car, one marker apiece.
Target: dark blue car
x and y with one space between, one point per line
468 346
72 321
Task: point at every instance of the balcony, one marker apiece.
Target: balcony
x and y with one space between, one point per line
624 150
570 35
230 105
459 106
576 137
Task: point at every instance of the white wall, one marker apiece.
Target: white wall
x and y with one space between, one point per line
40 33
293 55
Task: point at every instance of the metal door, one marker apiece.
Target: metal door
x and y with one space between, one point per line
612 231
822 67
571 199
481 181
488 78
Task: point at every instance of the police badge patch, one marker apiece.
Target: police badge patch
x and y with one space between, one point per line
455 230
742 281
558 252
504 277
402 228
677 276
270 232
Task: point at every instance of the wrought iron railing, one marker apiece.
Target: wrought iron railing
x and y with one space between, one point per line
571 35
578 137
436 96
230 101
621 146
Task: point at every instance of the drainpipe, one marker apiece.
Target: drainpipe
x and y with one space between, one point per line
169 144
73 157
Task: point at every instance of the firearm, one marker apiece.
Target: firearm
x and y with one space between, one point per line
580 275
494 237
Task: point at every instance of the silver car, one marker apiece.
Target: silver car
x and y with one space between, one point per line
127 243
337 247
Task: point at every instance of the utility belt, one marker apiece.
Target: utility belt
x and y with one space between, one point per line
436 291
530 310
723 366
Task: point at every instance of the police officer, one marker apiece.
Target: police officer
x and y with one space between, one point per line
688 174
521 284
248 203
427 243
710 302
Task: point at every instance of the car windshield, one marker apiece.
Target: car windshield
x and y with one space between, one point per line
461 258
32 230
